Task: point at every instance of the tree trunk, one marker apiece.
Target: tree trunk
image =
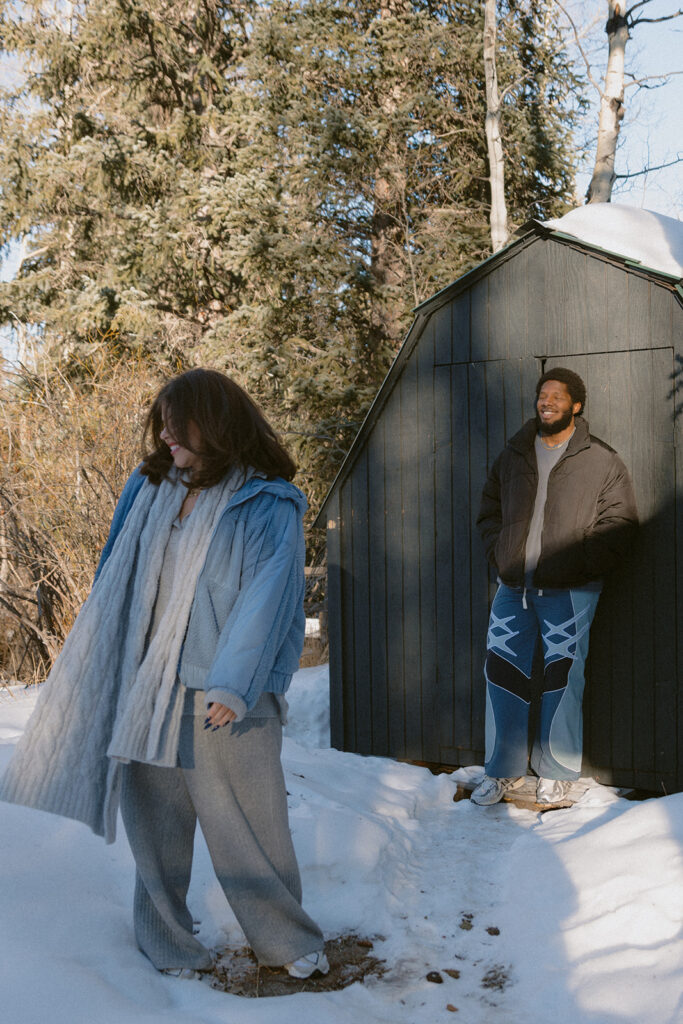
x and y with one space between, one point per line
498 217
388 232
611 105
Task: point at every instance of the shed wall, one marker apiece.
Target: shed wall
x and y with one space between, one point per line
409 587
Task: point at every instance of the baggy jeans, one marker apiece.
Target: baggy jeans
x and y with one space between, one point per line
562 619
231 780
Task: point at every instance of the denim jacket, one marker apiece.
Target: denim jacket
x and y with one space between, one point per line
246 627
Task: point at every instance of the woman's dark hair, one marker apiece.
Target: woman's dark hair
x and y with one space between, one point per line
234 432
571 380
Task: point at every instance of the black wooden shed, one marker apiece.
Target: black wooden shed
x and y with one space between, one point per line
408 585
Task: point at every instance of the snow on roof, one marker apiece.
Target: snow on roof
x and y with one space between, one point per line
650 238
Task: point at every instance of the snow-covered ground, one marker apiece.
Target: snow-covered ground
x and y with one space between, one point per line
588 902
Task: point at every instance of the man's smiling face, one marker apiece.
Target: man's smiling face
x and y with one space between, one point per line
555 410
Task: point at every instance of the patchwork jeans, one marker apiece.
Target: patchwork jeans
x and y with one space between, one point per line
562 619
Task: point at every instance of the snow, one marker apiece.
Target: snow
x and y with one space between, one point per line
587 901
649 238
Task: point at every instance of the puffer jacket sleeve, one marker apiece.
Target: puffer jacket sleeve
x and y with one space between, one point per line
610 536
490 518
268 610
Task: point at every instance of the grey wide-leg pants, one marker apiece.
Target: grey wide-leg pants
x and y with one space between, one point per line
231 781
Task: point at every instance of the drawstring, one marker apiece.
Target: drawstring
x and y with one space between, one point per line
524 604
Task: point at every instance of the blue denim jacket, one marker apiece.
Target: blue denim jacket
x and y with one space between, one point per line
246 627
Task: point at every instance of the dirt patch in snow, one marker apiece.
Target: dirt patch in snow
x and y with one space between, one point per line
350 958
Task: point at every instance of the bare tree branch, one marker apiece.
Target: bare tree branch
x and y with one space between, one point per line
647 170
653 21
577 40
663 79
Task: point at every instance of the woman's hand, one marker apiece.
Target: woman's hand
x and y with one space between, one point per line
218 715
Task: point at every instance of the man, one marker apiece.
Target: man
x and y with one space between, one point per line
557 512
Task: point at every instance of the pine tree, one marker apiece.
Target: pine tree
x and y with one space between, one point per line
266 186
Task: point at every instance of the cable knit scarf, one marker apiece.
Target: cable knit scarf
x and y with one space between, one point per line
110 697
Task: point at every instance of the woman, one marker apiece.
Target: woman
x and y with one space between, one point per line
168 695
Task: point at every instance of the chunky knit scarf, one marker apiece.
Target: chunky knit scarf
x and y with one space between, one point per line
111 696
149 706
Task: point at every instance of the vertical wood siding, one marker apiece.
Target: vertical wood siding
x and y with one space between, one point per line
409 588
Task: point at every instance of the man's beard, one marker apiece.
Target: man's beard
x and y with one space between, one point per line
557 427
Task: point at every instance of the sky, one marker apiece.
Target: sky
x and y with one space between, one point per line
652 130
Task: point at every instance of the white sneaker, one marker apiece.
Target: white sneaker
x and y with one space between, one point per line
552 791
307 965
183 972
491 791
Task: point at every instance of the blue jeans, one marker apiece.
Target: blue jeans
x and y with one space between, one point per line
562 620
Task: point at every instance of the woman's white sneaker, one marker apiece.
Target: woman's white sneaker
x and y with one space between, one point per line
492 791
307 965
188 973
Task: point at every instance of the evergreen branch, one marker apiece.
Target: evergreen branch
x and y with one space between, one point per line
31 255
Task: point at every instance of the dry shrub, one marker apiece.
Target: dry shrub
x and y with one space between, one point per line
68 442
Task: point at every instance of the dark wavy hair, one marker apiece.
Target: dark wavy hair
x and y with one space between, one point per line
234 432
571 380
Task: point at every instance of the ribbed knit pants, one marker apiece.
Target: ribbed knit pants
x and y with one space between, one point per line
562 620
231 781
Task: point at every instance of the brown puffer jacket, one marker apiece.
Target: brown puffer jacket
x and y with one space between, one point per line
590 512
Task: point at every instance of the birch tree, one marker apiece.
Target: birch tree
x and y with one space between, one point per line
622 19
494 142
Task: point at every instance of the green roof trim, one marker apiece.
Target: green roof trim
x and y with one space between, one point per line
651 270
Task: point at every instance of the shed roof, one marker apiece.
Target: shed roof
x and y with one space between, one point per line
641 236
638 240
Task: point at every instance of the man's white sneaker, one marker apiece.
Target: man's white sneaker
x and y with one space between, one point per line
491 791
552 791
307 965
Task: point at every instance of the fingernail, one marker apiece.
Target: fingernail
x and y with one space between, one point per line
207 721
207 725
215 727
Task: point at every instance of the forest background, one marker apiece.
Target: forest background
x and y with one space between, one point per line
264 187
